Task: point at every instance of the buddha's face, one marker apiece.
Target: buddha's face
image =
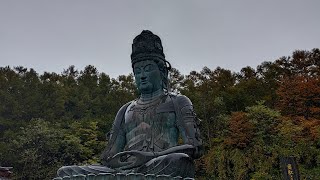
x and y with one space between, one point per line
147 76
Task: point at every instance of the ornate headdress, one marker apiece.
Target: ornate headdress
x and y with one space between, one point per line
147 46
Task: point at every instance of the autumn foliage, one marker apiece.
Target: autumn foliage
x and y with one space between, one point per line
299 95
240 130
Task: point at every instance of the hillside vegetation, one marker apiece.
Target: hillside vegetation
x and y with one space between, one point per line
249 119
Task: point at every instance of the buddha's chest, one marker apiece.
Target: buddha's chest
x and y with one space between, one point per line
150 127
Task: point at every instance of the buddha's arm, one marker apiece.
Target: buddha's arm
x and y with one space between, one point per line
186 148
117 138
187 123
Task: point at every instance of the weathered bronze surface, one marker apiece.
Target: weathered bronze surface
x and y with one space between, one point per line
5 173
145 133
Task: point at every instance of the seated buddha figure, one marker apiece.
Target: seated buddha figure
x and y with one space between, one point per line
145 133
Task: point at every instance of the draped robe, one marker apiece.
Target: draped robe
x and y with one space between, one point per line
152 126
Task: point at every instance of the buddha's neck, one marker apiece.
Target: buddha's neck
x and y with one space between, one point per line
151 96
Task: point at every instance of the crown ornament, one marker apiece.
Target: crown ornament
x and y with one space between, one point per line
147 46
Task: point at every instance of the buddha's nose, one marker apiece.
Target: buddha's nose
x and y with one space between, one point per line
143 78
143 75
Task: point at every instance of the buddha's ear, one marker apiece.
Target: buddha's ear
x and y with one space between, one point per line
167 65
163 74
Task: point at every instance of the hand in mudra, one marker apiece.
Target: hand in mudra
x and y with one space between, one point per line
137 158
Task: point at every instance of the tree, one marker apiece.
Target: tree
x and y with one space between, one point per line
175 79
241 131
300 96
36 150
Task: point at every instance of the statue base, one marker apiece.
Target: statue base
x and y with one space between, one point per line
121 176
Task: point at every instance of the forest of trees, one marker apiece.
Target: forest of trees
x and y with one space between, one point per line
249 119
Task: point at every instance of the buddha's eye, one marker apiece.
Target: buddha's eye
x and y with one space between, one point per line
148 68
137 70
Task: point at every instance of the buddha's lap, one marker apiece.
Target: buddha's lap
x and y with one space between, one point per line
175 164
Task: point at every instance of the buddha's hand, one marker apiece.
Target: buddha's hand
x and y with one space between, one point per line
129 159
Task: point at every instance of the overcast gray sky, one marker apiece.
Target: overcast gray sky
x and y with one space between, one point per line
51 35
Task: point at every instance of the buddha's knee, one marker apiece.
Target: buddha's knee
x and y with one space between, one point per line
82 170
65 171
179 162
177 157
175 164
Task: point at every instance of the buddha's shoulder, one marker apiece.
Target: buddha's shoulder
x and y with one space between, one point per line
123 108
180 99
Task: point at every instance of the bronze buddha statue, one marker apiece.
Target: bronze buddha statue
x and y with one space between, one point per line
144 137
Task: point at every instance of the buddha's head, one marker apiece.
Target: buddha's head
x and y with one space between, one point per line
149 65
